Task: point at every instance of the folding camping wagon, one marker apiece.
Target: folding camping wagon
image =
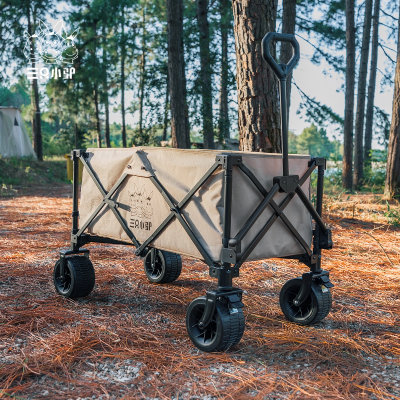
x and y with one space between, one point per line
221 207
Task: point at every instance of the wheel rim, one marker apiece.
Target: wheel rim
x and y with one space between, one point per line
201 336
301 312
63 283
154 271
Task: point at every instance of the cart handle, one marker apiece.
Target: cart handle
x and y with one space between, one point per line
281 70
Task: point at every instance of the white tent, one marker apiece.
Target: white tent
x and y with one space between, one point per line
14 140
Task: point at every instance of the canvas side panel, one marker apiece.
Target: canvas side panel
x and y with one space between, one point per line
278 241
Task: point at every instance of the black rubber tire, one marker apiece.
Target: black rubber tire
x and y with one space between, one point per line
167 268
224 331
79 277
313 310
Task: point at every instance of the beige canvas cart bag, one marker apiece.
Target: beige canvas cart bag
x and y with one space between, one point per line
143 207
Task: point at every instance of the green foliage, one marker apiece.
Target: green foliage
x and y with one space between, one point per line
17 95
393 216
374 179
314 141
382 126
378 155
150 136
292 138
15 172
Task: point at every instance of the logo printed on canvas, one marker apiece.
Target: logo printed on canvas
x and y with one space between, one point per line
141 209
53 46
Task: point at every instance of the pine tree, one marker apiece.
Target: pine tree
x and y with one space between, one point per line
142 66
122 69
362 82
392 184
257 90
288 26
205 74
349 96
369 118
105 85
176 73
225 21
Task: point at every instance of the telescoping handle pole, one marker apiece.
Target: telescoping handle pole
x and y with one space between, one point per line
282 72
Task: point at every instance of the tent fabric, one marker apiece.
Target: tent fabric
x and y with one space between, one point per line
143 208
14 140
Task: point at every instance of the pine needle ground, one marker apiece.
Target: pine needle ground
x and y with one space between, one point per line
128 338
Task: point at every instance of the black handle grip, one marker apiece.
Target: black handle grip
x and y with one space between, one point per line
281 70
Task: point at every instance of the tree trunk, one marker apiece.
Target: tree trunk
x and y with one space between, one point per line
369 118
392 184
176 72
347 175
123 55
97 114
105 90
35 100
166 109
257 89
142 71
362 83
223 120
288 26
205 74
95 61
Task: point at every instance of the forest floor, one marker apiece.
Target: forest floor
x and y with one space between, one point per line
128 338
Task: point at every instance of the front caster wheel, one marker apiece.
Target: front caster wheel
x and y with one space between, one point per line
225 329
162 266
314 309
78 277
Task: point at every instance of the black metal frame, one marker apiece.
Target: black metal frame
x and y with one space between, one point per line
232 255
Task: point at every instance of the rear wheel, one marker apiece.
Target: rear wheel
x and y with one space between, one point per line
313 310
224 331
162 266
78 278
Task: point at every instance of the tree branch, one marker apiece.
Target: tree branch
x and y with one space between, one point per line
386 54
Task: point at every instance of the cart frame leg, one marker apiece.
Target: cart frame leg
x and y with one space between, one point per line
75 245
75 155
320 240
224 272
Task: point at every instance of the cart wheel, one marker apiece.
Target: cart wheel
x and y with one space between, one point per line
78 280
165 268
314 309
225 329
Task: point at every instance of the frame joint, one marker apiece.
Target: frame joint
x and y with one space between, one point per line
77 153
287 184
217 270
323 239
319 162
228 160
231 253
